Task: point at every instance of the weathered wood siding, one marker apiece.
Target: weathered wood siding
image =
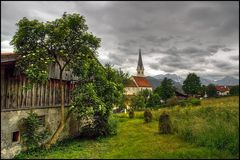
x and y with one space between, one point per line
15 97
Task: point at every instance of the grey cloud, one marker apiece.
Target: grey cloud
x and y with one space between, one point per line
180 35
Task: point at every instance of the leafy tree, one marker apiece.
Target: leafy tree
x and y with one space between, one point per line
154 101
138 102
211 90
62 41
234 90
203 90
166 89
146 93
100 89
192 84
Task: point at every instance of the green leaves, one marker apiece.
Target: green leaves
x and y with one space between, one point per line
192 84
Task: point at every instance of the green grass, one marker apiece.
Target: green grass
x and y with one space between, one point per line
198 132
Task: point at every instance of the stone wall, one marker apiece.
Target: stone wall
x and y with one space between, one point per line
10 121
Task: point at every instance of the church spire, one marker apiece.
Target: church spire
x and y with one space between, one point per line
140 68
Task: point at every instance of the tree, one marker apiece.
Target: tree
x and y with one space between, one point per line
192 84
99 90
138 102
202 90
234 90
154 101
211 90
166 89
65 39
146 93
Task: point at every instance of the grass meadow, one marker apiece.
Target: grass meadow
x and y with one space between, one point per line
207 131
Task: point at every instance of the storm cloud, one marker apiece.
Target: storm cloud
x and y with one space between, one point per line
174 37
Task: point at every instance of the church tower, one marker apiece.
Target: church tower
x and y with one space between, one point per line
140 69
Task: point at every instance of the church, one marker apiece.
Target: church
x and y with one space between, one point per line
138 82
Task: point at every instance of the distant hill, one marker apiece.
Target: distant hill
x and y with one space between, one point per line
157 82
226 81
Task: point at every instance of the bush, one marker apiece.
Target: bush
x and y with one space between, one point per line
112 126
31 135
172 101
164 124
195 102
183 103
147 116
131 113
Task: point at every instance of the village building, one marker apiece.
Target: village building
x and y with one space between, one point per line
222 90
43 99
137 83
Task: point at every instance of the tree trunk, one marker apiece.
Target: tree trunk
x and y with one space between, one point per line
61 125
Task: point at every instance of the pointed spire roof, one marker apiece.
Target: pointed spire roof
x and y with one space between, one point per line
140 63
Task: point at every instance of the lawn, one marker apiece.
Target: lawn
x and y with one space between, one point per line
136 139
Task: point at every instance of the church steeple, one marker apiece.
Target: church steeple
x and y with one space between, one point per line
140 68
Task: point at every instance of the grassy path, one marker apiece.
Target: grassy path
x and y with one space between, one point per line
135 139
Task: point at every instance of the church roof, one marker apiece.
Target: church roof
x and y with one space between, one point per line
131 83
141 81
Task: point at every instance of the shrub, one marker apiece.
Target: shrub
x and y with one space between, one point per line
31 135
183 103
131 113
164 123
112 126
172 101
195 101
147 116
101 126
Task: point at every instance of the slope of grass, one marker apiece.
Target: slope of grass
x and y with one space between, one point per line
208 128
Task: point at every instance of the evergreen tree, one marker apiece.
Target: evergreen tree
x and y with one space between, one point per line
192 84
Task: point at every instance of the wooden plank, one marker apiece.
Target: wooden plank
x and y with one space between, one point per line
24 93
14 105
34 95
50 93
39 94
42 95
3 88
45 94
54 93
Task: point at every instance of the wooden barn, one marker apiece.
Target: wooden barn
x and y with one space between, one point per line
16 103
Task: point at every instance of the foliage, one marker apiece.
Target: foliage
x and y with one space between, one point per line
211 90
192 84
147 115
137 102
184 102
100 89
165 124
31 135
172 101
195 101
166 89
203 90
131 113
145 93
43 43
234 90
64 41
154 101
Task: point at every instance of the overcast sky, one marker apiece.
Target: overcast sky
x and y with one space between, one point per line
175 37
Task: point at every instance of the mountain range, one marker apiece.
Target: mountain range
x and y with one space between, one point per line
178 80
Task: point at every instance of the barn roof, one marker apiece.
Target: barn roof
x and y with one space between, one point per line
8 57
141 81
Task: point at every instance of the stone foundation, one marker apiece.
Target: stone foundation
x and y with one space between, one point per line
10 121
